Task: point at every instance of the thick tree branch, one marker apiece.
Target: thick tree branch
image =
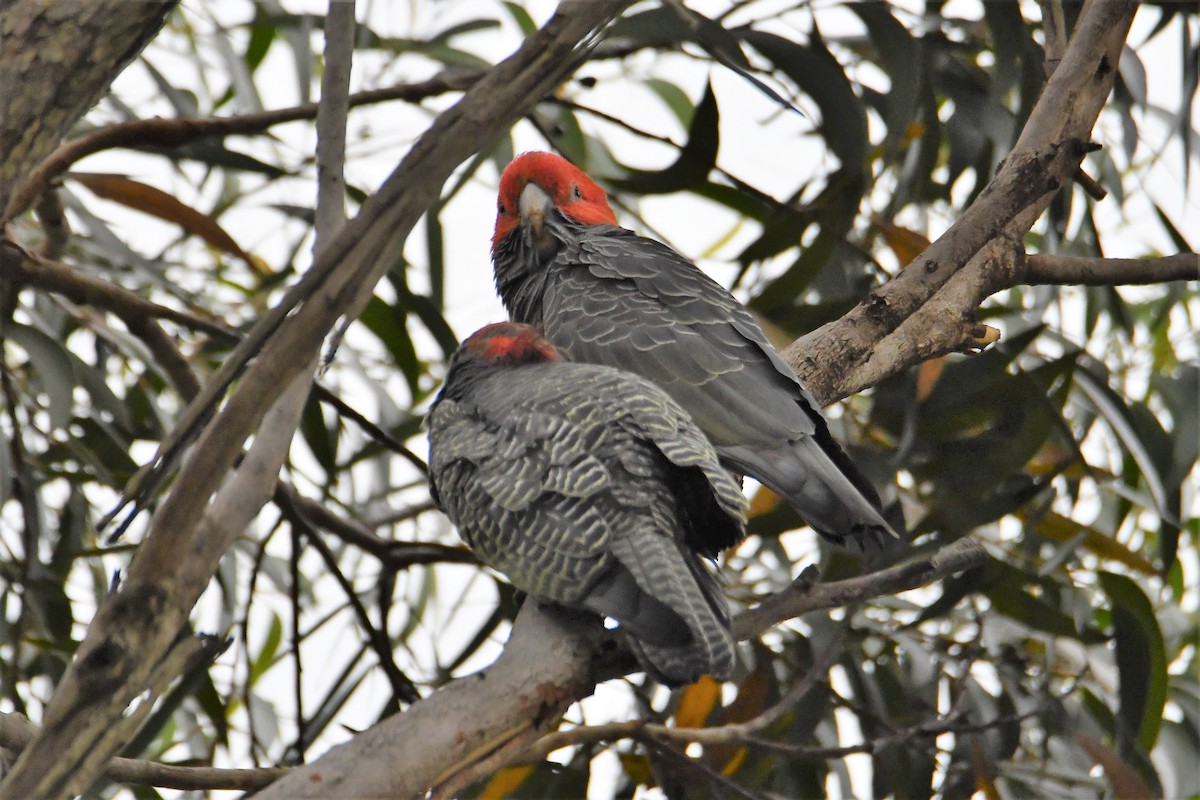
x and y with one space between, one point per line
58 59
550 661
179 555
543 669
1046 156
946 322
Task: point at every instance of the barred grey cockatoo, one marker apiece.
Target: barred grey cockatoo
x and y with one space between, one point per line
591 488
608 296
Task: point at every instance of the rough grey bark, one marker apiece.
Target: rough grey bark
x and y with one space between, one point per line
58 59
890 330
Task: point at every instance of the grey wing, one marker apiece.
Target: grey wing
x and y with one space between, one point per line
532 501
709 500
635 304
512 486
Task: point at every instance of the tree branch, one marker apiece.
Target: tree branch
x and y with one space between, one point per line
178 131
1043 269
70 282
392 554
57 61
804 596
179 554
1046 157
16 732
544 667
550 661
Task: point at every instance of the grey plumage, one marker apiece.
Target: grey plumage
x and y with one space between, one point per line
608 296
590 488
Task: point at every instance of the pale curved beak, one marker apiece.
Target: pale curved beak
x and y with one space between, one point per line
533 206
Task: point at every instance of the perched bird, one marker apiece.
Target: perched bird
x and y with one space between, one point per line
608 296
590 488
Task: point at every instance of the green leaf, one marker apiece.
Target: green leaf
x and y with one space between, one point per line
321 440
214 708
901 58
261 38
1115 410
1141 661
266 654
214 154
675 99
695 161
388 323
53 364
521 17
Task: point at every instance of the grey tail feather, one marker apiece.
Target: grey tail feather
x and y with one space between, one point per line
617 595
803 473
682 579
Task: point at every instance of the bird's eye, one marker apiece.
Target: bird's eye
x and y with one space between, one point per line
500 207
576 193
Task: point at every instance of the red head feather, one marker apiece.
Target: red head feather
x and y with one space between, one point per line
511 344
573 192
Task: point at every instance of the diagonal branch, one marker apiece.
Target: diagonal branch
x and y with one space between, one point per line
179 555
1046 157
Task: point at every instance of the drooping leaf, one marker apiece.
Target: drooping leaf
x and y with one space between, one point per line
697 702
695 160
1141 661
157 203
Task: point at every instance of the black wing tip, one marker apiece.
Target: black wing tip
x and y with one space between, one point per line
866 535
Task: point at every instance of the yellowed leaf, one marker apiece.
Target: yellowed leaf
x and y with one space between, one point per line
985 773
914 131
764 501
906 244
505 782
731 766
927 376
1125 781
637 767
697 703
750 701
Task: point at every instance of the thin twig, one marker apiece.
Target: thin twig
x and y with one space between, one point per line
953 558
16 732
403 688
393 554
182 130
